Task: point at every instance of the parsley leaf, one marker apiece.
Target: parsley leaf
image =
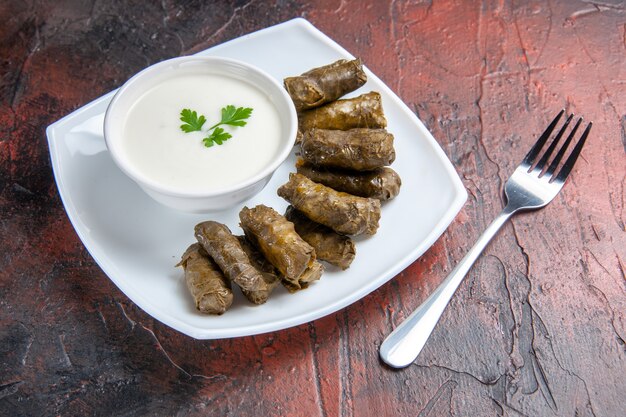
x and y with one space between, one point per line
231 115
234 116
218 136
193 123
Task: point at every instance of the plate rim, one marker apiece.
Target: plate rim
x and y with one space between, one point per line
459 199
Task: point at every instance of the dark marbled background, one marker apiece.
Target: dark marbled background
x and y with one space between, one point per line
537 328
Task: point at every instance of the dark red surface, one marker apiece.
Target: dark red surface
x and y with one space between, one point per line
537 328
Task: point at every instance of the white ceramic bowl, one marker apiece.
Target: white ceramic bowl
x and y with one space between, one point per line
215 199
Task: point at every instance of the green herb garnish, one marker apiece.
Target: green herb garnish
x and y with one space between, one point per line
193 123
218 136
234 116
231 116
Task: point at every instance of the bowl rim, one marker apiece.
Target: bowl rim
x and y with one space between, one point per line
155 70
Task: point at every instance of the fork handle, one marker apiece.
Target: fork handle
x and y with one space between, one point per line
405 343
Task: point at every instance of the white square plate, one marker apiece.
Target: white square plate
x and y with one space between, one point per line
137 242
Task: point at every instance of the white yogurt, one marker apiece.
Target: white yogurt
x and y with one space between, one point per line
160 150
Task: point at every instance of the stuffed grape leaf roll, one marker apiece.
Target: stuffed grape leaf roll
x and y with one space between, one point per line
207 284
225 249
365 110
325 84
270 274
358 149
344 213
312 273
329 245
381 183
277 239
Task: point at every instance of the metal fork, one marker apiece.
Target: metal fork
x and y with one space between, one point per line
533 185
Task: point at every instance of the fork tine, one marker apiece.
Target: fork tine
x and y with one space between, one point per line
563 149
569 164
534 151
546 156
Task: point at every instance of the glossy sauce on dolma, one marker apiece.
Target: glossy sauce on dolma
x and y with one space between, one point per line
359 149
277 239
330 246
365 110
344 213
155 144
325 84
270 274
381 183
226 251
207 284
